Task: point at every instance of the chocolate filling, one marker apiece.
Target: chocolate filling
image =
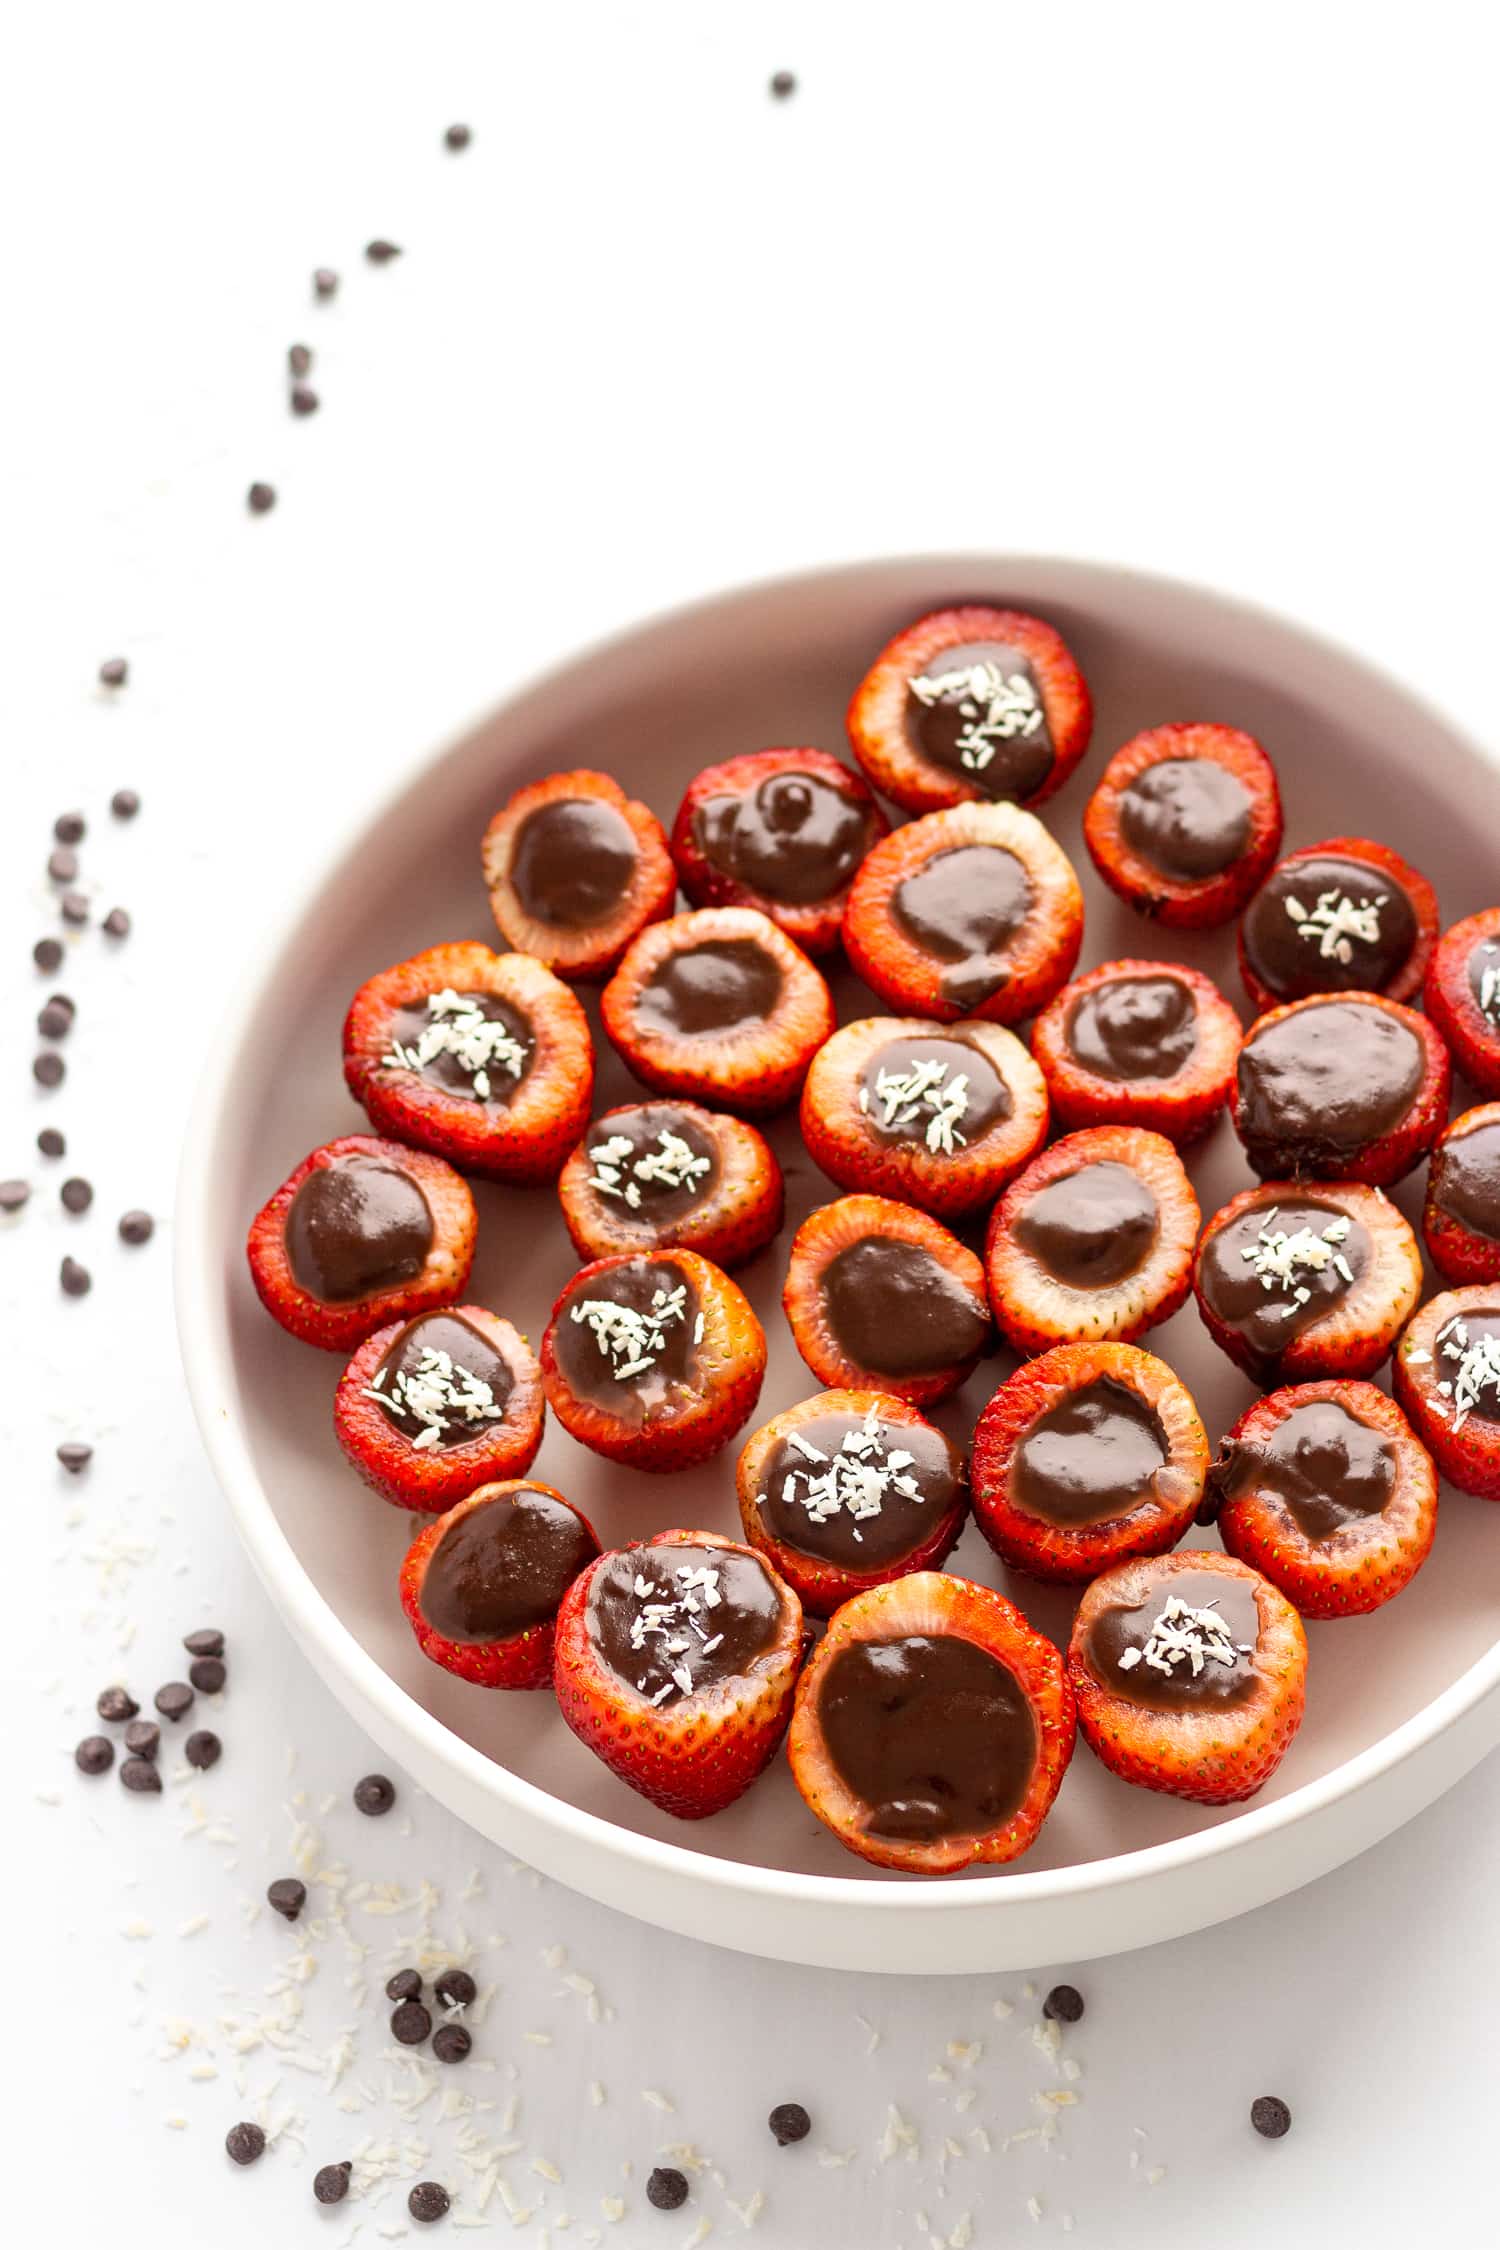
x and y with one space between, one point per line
1477 1351
451 1050
354 1226
1319 1086
856 1506
1091 1228
795 838
931 1733
1466 1180
1188 816
1092 1457
1328 925
1270 1293
704 1616
1118 1633
667 1167
504 1566
573 861
964 906
1135 1027
704 989
910 1087
895 1309
977 710
407 1377
1484 980
625 1339
1327 1466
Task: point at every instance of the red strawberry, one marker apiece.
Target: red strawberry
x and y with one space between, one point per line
481 1587
575 869
484 1057
689 1726
1447 1379
1149 1043
429 1408
781 830
969 703
362 1233
1463 996
1347 915
1325 1489
1215 1734
1086 1456
1185 822
1340 1086
669 1175
1461 1217
933 1726
880 1297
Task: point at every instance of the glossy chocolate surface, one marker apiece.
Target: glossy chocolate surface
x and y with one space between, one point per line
938 1091
504 1566
354 1226
795 838
964 906
1328 1081
573 861
704 989
652 1163
624 1339
879 1491
1328 925
1327 1466
452 1046
1115 1645
671 1620
1091 1228
1466 1180
441 1374
1484 980
932 1734
1238 1261
1188 816
897 1310
977 711
1091 1457
1466 1353
1135 1027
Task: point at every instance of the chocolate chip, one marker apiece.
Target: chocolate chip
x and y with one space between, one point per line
203 1749
116 1704
14 1195
789 2122
125 804
207 1674
287 1896
451 2043
95 1754
55 1019
114 672
62 865
406 1984
245 2142
175 1700
331 2182
143 1738
75 1456
428 2202
116 923
49 1070
75 909
1270 2116
261 499
76 1280
299 359
380 252
411 2023
140 1775
50 1141
70 828
137 1227
374 1795
325 283
207 1640
457 137
1064 2003
304 399
76 1196
456 1988
783 85
667 2189
48 954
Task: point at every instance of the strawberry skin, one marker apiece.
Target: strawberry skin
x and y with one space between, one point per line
1453 1005
741 1212
1185 902
1181 1106
590 949
1465 1446
524 1660
411 1476
814 924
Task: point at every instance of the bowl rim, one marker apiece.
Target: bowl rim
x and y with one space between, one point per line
204 1343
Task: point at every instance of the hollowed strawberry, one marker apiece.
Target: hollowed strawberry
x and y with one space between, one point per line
1447 1378
1190 1672
1344 1086
1087 1456
429 1408
653 1359
676 1661
971 702
362 1233
669 1175
933 1726
879 1297
940 1115
1347 915
1298 1282
1093 1242
781 830
719 1004
1185 822
1149 1043
484 1057
1325 1490
575 869
1463 996
849 1490
482 1586
1461 1217
970 912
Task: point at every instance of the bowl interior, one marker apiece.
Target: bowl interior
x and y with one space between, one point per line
776 664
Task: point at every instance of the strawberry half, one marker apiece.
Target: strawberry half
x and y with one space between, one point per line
654 1360
1461 1217
849 1490
780 830
429 1408
1347 915
718 1004
1346 1086
1086 1456
940 1115
933 1726
1185 822
968 703
484 1057
482 1586
880 1297
971 912
675 1663
1190 1672
669 1175
1093 1242
575 869
362 1233
1462 996
1296 1282
1326 1490
1150 1043
1447 1379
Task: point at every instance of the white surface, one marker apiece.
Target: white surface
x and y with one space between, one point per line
1222 311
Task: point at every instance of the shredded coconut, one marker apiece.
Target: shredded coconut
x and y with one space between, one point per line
1476 1368
1281 1259
458 1027
673 1618
924 1098
1184 1635
437 1393
631 1340
620 1169
1335 923
856 1481
994 706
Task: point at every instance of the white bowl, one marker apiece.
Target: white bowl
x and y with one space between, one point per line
1400 1704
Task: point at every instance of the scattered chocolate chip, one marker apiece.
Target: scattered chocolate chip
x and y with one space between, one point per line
299 359
245 2142
374 1795
406 1984
75 1456
207 1674
48 954
203 1749
175 1700
261 499
428 2202
1270 2116
456 1988
75 909
76 1280
95 1754
125 804
287 1896
325 282
70 828
380 253
331 2182
451 2043
304 399
789 2122
114 672
783 85
116 1704
137 1227
667 2189
140 1775
76 1196
411 2023
14 1195
207 1640
49 1070
143 1738
55 1019
1064 2003
50 1141
62 865
457 137
116 923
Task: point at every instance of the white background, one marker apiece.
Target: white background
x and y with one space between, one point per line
1210 290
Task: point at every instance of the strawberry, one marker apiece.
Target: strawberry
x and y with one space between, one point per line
669 1175
1198 1701
484 1057
675 1663
940 1115
481 1587
653 1360
1094 1240
1340 1086
967 703
933 1726
1325 1489
575 869
780 830
1347 915
720 1005
880 1297
1085 1457
1150 1043
971 912
429 1408
362 1233
1462 996
1447 1380
1185 823
1461 1217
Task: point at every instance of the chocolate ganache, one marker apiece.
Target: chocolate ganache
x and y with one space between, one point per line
932 1734
626 1338
707 989
1326 1082
1279 1269
1134 1027
795 838
964 906
1188 1645
1328 924
354 1226
1091 1228
504 1566
1466 1180
469 1043
858 1493
671 1620
1093 1456
1328 1467
895 1309
573 861
977 710
943 1092
653 1162
441 1382
1188 816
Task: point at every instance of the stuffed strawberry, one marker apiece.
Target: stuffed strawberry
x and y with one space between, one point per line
780 830
1344 916
1461 1217
1447 1379
575 869
1340 1086
669 1175
429 1408
482 1586
1299 1281
1148 1043
1185 823
880 1297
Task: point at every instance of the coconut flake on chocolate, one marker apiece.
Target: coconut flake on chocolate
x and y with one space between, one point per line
460 1028
1279 1257
1181 1634
1476 1370
1335 922
671 1164
994 706
437 1393
629 1339
676 1621
854 1480
905 1095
